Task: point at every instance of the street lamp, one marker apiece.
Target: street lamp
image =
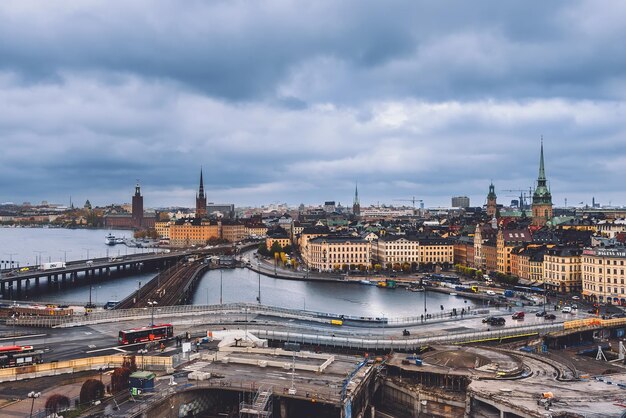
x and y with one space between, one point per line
65 254
221 288
259 297
152 304
33 395
142 352
383 314
87 249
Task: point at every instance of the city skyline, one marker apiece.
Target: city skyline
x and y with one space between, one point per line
318 102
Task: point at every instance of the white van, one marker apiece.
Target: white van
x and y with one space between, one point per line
566 309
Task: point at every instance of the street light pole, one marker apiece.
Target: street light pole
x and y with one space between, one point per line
259 297
221 287
152 305
33 395
87 249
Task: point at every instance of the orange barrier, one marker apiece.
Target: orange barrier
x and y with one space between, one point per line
593 322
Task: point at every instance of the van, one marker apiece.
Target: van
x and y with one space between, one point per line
566 309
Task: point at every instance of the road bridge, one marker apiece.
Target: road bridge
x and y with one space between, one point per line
15 282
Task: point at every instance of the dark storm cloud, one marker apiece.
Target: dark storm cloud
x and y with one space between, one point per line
282 100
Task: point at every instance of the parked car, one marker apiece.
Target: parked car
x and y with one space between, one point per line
566 309
518 315
550 316
575 297
541 313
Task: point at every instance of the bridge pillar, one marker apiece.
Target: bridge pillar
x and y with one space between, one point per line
19 286
108 272
37 281
3 288
63 278
49 278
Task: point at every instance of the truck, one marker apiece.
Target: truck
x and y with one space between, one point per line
53 265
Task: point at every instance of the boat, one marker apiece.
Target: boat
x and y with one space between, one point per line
367 282
110 240
387 284
416 289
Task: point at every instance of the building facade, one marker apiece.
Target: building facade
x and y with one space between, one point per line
492 206
562 270
603 274
334 253
190 232
460 202
506 240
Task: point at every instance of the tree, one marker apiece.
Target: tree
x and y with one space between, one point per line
414 266
378 268
276 248
56 403
119 379
91 390
388 266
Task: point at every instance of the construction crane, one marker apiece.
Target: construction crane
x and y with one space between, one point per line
522 195
413 200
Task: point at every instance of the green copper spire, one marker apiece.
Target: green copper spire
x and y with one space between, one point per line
542 172
542 193
356 194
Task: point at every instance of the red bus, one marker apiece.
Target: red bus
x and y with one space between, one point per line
16 355
146 334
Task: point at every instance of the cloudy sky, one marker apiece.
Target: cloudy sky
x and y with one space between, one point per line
296 101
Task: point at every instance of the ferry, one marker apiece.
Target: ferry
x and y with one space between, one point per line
110 240
415 289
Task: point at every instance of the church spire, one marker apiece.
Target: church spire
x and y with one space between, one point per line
356 194
542 172
201 190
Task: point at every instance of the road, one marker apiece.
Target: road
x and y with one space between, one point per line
101 339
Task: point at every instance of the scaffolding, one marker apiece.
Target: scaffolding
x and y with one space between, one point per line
259 406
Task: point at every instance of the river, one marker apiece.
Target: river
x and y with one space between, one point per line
238 285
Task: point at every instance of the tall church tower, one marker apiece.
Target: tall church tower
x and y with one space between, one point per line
492 207
201 199
542 198
137 207
356 204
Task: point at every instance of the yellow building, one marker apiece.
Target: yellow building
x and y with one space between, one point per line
280 236
436 251
562 270
603 274
256 230
233 231
190 232
506 240
162 229
333 253
396 249
529 262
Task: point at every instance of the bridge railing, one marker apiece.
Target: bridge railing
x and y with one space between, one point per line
402 343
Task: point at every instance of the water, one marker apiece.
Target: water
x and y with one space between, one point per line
32 246
239 285
242 285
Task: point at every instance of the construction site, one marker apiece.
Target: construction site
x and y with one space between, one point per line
240 376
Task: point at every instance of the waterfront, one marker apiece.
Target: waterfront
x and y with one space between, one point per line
32 246
238 285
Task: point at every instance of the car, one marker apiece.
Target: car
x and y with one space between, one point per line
518 315
541 313
494 320
550 316
566 309
575 297
490 292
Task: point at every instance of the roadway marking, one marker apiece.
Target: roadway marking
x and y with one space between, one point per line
104 349
17 337
119 349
